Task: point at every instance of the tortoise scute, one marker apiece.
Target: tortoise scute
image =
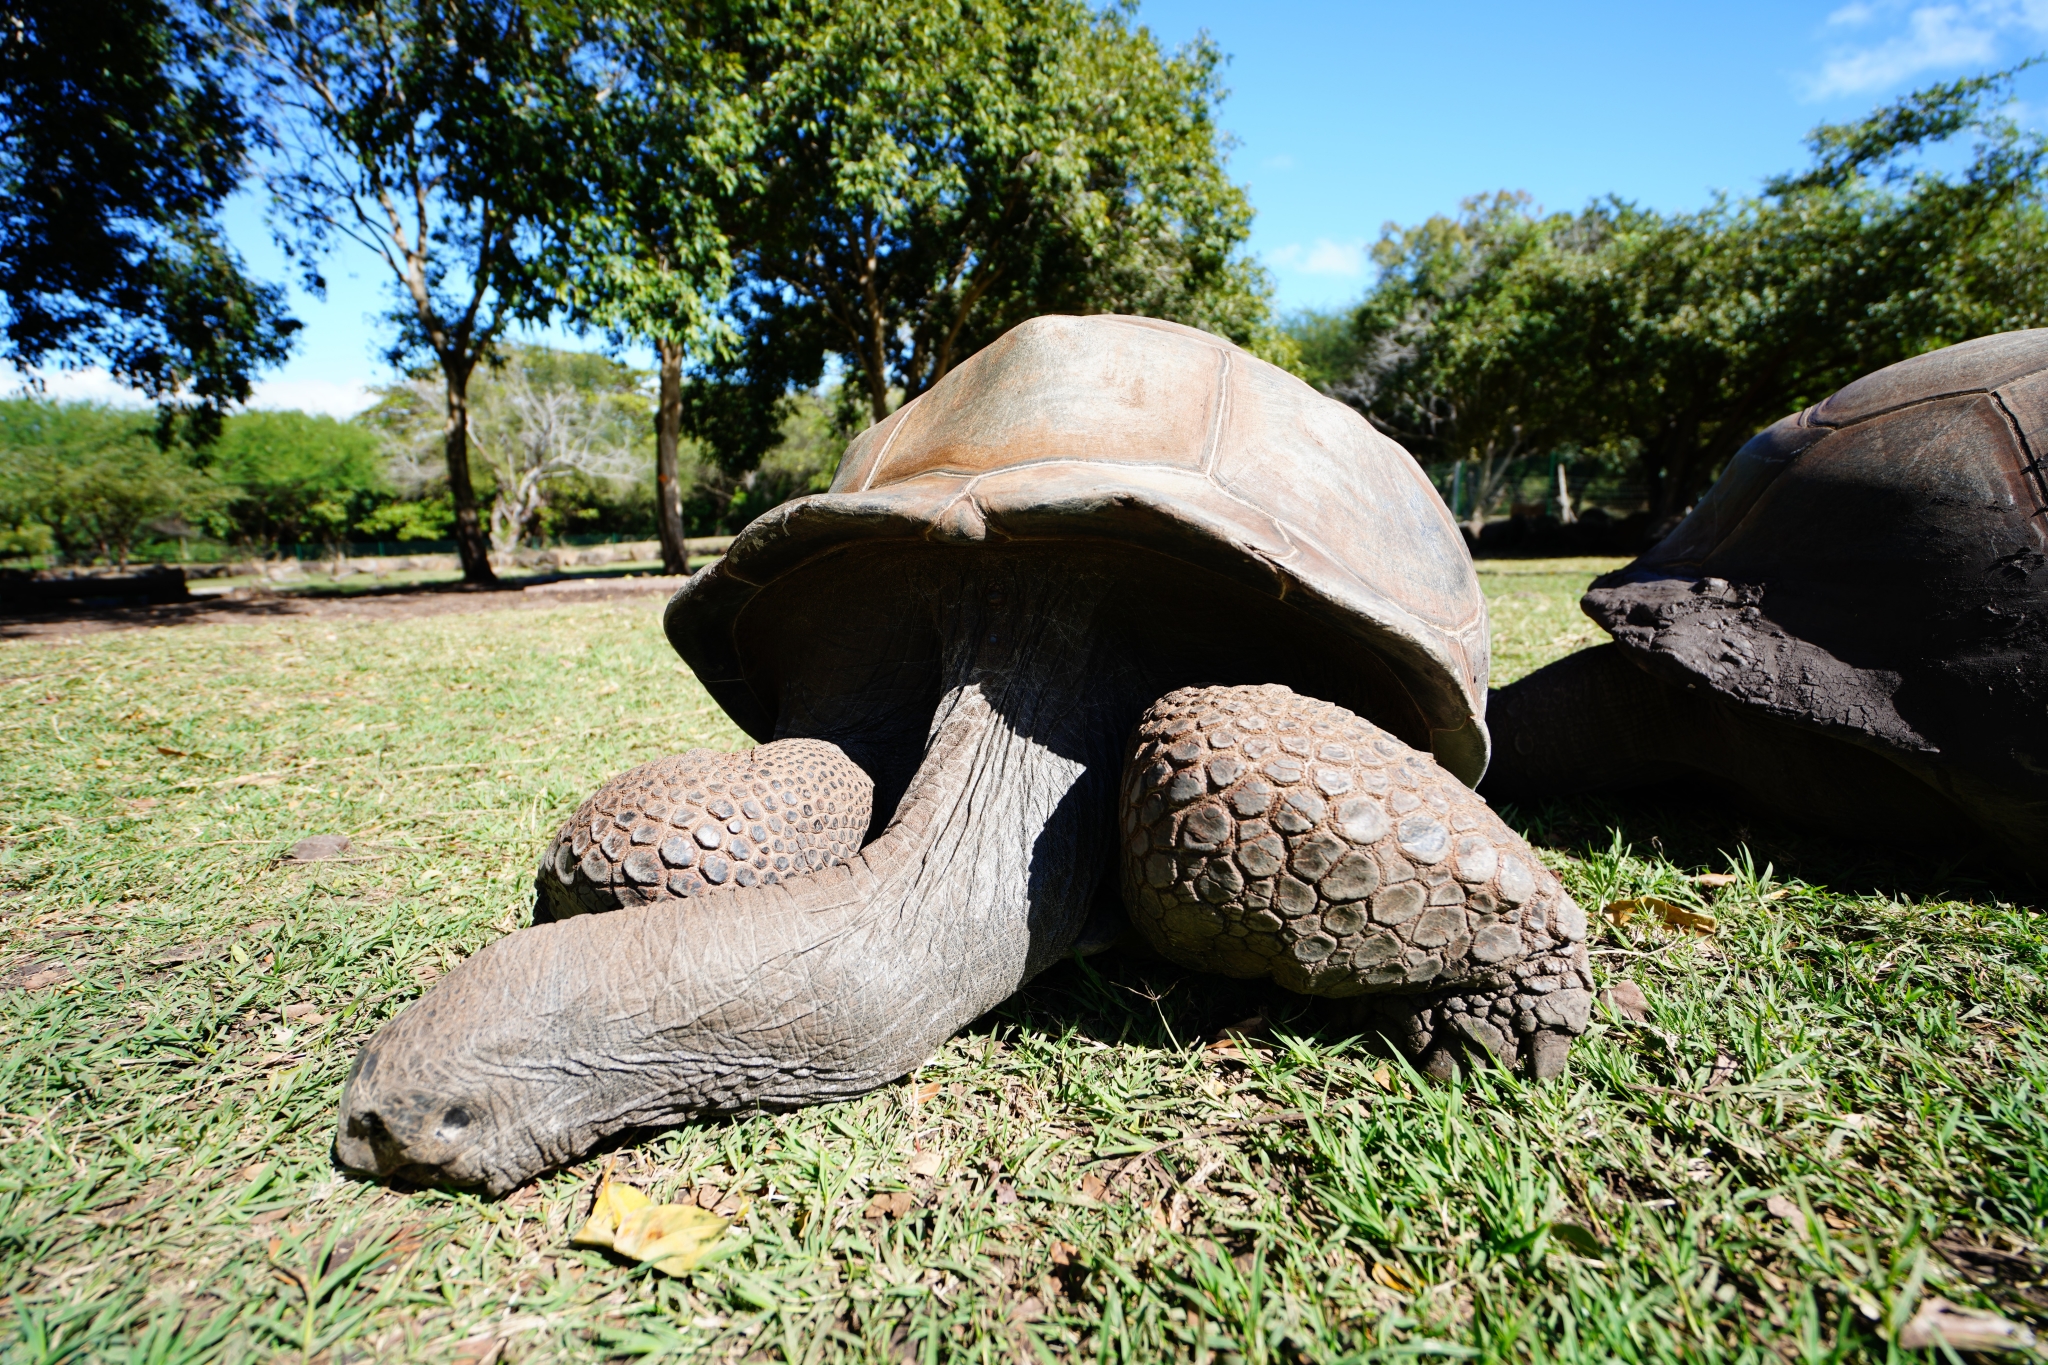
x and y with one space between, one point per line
673 827
1317 850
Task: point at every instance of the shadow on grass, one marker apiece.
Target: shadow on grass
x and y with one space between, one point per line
1701 829
390 600
1128 996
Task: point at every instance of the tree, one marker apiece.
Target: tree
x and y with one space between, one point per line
935 171
1443 339
539 419
1675 338
294 477
429 134
119 139
664 151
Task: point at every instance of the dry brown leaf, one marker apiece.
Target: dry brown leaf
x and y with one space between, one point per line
479 1350
1676 916
1781 1207
890 1204
608 1208
44 979
1094 1187
1626 998
924 1163
1383 1077
1777 895
925 1093
671 1237
1395 1278
1725 1070
1938 1322
1715 879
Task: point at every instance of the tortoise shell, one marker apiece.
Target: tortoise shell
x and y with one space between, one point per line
1179 449
1876 568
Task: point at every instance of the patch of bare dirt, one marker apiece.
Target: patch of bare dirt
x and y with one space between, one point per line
72 623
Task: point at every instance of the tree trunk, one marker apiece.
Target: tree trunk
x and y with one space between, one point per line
668 491
472 545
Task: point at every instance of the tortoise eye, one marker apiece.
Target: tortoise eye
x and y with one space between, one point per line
453 1123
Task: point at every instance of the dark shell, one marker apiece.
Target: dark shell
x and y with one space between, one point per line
1175 446
1875 567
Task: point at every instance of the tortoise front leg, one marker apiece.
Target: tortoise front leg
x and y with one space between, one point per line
1270 834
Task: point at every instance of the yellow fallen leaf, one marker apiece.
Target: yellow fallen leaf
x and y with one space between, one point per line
672 1236
1677 916
1395 1278
1715 879
608 1210
1383 1078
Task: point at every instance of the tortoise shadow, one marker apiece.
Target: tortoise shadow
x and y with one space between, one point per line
1127 996
1694 828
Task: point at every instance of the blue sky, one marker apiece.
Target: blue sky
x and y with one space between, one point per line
1348 116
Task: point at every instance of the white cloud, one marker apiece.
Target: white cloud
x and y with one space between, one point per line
82 386
333 397
1323 257
1935 37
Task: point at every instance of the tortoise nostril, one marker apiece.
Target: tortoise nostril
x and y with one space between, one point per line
453 1124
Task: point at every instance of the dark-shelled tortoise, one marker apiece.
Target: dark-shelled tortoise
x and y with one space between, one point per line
1094 524
1850 629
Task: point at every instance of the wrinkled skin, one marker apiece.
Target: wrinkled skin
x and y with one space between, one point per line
832 982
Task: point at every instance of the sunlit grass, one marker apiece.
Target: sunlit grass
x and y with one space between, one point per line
1859 1047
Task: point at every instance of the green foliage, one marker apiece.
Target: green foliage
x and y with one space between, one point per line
92 480
663 128
809 442
1675 338
932 172
411 519
296 477
1325 345
119 140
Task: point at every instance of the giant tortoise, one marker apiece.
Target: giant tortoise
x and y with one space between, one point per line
1850 629
1113 592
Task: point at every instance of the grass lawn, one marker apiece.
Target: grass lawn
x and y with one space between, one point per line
1837 1106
